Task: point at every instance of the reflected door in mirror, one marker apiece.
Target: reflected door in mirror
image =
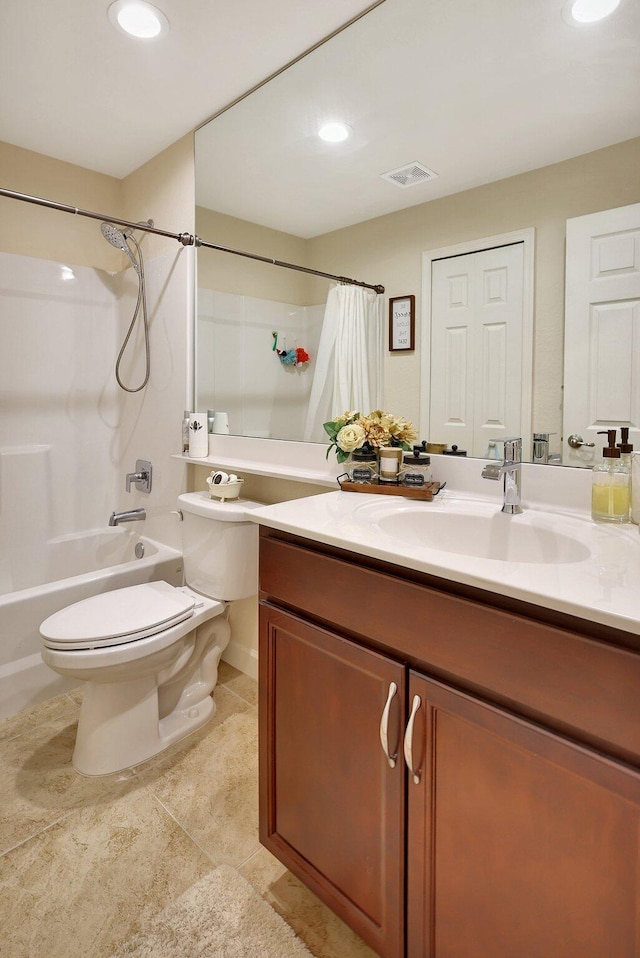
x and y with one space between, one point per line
602 330
476 331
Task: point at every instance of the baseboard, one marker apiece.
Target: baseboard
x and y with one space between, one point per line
243 659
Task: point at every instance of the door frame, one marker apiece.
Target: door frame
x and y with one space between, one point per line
527 238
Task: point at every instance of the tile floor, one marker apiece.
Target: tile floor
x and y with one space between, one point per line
85 862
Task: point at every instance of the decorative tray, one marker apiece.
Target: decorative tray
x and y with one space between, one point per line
426 492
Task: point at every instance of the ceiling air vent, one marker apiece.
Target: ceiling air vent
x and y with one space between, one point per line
409 175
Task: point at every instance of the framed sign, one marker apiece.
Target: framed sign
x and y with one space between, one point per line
402 323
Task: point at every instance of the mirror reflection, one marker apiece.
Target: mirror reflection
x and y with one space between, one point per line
487 143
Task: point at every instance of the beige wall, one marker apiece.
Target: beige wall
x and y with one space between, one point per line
31 230
163 189
236 274
388 250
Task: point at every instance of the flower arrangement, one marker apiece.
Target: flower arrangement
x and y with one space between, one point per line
352 431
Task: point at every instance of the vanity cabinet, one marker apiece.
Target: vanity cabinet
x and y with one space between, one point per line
455 774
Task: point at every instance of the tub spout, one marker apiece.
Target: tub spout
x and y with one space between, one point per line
131 515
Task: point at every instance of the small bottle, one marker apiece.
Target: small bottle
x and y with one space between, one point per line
610 487
416 468
625 447
185 432
626 458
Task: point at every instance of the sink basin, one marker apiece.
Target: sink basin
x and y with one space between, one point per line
481 531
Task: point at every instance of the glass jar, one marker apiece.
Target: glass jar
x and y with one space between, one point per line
362 465
416 468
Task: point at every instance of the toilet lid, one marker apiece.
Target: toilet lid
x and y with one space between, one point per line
113 618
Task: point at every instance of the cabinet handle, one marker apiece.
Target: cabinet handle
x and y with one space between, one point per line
384 727
408 740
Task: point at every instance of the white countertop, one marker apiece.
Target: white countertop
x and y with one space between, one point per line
602 586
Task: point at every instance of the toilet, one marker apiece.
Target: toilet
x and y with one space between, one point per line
149 653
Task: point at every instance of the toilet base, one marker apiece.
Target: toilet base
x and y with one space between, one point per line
125 722
119 726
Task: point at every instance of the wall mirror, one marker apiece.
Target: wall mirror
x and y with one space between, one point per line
466 121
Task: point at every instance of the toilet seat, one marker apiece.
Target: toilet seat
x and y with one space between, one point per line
119 617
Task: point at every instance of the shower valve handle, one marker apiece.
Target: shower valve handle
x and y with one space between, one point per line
141 477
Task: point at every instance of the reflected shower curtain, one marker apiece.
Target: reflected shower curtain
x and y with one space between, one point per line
348 369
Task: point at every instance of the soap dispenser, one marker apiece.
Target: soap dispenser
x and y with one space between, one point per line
625 447
610 484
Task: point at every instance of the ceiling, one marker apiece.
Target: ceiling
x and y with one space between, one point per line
75 88
476 90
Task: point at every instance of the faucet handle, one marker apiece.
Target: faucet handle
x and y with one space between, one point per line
141 477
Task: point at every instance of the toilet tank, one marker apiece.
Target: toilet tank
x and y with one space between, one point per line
220 546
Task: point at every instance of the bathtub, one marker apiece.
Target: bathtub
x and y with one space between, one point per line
63 571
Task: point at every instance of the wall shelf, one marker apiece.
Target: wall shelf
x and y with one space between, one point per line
293 461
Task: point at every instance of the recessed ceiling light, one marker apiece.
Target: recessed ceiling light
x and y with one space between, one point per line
138 18
334 132
588 11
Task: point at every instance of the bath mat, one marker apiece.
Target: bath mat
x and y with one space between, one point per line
221 916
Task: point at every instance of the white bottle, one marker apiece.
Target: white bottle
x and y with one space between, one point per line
185 432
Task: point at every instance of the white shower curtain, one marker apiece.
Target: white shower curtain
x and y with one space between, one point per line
348 368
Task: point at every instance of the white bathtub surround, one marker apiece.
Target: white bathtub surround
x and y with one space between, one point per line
69 435
60 406
237 369
150 423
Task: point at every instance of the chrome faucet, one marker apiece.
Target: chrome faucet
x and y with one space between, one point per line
141 477
540 452
510 470
131 515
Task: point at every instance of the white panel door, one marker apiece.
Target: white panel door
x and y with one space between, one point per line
602 330
476 335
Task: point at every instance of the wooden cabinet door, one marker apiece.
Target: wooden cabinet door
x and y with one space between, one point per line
331 806
520 843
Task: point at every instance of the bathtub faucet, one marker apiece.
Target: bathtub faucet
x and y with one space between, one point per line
131 515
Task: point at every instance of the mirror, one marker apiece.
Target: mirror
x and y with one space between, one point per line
521 135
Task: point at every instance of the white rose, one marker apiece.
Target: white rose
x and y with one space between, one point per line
350 437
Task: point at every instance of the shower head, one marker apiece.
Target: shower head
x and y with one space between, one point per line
118 239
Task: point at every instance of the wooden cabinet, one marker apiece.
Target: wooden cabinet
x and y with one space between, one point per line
519 842
510 826
332 808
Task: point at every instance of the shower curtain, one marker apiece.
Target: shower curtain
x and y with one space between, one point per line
348 369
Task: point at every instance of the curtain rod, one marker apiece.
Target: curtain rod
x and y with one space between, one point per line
302 269
187 239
